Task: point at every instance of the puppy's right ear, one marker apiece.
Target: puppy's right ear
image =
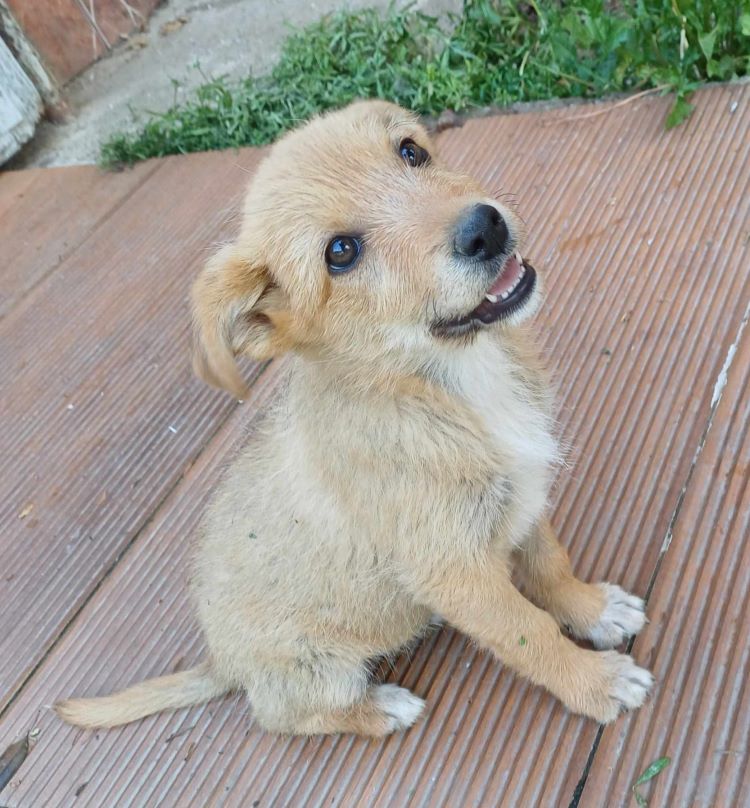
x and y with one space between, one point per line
230 300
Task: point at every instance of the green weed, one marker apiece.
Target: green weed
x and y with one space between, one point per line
651 771
496 52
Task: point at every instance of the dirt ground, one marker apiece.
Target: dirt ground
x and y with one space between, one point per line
226 37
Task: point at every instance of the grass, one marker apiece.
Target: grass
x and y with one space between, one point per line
494 53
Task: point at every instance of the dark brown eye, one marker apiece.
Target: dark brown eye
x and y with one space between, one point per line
342 253
413 154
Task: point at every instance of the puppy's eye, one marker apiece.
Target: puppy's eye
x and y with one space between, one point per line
413 154
342 253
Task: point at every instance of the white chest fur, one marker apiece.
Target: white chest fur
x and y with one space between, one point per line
521 431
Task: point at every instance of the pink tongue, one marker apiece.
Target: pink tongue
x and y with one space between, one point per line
508 277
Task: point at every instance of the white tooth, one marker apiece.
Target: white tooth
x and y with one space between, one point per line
504 295
491 298
518 257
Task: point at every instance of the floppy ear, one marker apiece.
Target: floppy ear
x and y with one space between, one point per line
237 309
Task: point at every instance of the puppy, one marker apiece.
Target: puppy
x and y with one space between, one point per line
405 468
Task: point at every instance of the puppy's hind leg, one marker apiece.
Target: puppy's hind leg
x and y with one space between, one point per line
383 709
330 698
603 613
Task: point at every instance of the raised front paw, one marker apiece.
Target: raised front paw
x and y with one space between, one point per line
623 616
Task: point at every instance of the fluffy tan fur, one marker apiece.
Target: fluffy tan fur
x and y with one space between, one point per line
399 475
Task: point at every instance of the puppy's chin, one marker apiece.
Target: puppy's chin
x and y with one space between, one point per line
414 341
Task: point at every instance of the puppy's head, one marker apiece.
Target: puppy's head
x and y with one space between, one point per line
357 242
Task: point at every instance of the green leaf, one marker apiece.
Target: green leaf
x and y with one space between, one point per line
680 111
651 771
745 24
12 758
707 42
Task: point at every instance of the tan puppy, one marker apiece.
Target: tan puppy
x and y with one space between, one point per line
406 466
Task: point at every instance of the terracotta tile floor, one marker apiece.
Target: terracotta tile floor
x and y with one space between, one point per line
109 449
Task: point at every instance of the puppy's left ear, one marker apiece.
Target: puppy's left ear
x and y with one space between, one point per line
237 309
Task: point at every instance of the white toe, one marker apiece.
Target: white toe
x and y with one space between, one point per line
398 703
622 617
630 683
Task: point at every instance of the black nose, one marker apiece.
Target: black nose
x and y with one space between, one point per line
481 233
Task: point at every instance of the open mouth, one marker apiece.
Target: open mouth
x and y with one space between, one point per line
507 294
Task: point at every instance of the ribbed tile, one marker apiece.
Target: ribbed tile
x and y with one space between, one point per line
697 641
46 213
100 410
642 238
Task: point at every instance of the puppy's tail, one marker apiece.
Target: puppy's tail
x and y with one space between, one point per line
182 689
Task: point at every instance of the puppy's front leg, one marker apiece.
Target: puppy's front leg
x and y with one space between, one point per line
604 613
480 599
